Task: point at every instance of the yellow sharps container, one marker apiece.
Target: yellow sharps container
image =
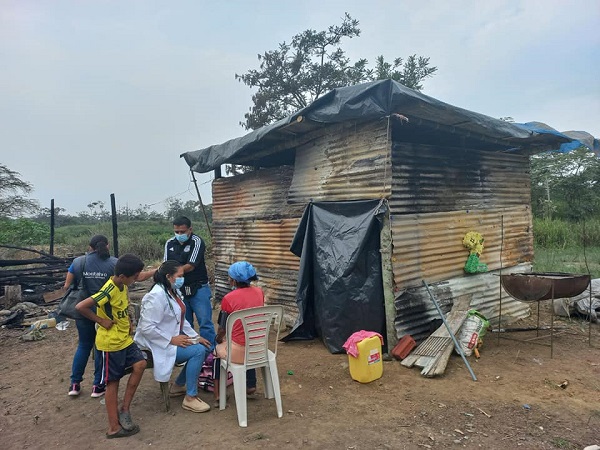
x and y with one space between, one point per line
367 366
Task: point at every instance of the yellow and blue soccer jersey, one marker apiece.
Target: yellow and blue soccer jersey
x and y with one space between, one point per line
112 303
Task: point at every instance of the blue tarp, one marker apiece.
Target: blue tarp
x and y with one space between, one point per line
578 138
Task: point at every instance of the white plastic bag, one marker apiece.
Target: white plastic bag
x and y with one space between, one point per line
473 328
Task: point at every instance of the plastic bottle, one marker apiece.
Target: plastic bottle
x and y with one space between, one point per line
62 326
44 323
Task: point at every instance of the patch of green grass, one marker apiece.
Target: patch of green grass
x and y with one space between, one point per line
143 238
564 234
563 443
569 260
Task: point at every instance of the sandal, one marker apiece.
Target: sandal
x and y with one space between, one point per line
123 433
126 421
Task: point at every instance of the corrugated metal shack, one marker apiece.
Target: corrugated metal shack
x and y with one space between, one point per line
444 171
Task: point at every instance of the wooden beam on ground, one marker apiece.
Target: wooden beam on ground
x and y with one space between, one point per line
433 353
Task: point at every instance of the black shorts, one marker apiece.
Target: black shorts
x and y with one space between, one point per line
115 363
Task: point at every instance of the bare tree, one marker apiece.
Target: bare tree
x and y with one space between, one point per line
13 194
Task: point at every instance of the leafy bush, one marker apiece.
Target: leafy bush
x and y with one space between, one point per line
23 232
143 238
549 233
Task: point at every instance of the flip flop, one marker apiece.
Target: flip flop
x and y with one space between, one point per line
123 433
126 421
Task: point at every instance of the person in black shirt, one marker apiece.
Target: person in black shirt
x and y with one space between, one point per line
188 249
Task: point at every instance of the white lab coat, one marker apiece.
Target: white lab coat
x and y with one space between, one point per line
157 325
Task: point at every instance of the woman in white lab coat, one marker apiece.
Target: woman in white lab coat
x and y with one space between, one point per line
163 329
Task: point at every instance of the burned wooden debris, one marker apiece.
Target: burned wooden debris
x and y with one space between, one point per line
43 274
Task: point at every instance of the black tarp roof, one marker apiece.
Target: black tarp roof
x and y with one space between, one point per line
369 101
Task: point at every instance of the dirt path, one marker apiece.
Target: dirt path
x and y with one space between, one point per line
516 402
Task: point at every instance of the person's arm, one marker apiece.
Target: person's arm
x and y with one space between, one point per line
188 267
143 276
196 255
220 335
70 278
166 255
190 332
85 309
222 320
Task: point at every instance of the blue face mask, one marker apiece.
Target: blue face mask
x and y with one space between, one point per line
182 237
178 283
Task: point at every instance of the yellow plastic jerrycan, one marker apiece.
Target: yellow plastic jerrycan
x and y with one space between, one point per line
368 366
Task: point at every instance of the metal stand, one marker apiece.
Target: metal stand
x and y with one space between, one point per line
533 288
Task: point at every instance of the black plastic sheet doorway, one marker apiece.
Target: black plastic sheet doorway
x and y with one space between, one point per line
340 287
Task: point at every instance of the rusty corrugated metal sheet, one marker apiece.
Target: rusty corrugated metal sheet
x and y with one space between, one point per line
252 221
343 162
265 243
257 194
429 246
416 310
431 179
438 195
278 285
256 214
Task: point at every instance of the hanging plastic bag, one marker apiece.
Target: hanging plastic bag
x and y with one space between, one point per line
472 330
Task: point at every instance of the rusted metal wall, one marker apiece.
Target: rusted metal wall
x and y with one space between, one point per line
252 221
416 312
436 196
255 215
440 194
344 162
429 246
433 179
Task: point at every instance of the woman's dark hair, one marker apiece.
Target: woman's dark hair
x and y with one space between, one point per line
99 244
166 268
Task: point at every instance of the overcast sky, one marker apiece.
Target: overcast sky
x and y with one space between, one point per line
101 97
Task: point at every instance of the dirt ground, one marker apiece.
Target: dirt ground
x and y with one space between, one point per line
516 402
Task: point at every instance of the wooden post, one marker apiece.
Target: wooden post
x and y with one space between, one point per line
12 295
113 212
52 227
200 200
387 275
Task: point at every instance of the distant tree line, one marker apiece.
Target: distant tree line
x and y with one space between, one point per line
98 211
565 186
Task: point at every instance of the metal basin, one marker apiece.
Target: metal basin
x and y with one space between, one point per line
534 287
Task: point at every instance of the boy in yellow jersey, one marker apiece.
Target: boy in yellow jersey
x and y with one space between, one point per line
115 344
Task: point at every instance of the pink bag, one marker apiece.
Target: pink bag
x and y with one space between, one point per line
206 381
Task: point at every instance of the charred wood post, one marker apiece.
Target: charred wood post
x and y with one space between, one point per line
113 210
12 296
52 227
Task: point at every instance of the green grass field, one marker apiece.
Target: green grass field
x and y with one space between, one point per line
569 260
145 239
560 246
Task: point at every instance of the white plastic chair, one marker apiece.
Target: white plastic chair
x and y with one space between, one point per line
257 323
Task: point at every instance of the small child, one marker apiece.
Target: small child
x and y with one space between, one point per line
115 344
